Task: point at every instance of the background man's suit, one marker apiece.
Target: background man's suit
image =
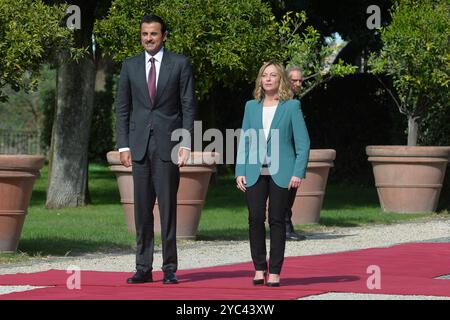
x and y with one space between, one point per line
146 128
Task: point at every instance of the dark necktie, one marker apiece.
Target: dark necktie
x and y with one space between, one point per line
152 81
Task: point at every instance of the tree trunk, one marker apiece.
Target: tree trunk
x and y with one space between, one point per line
70 136
413 127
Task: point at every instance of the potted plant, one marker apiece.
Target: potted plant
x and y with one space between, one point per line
194 182
17 176
415 55
310 194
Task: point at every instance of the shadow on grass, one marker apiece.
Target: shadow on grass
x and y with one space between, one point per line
338 197
66 247
224 195
107 195
105 192
102 174
38 198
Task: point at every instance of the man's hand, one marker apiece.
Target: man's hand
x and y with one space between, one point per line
125 158
240 183
294 183
183 156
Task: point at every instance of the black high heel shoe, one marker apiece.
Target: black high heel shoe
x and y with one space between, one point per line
260 282
273 284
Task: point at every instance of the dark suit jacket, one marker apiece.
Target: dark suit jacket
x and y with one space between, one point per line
174 108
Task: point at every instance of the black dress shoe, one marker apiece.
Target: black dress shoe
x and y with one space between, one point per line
140 277
294 236
170 278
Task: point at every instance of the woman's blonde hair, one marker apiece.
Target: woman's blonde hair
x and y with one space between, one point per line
284 89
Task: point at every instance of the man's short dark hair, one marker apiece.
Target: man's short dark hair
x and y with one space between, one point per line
149 18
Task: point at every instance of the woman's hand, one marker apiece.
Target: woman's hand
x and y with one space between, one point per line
240 183
294 183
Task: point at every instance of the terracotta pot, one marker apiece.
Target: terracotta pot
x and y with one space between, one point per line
194 182
309 198
17 176
408 178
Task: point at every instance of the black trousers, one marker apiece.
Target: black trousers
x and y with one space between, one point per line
256 197
154 178
288 216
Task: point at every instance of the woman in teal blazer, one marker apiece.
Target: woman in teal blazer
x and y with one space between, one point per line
272 158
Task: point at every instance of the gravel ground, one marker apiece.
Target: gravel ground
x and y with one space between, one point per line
359 296
197 254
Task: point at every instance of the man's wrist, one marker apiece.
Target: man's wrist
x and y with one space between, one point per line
124 149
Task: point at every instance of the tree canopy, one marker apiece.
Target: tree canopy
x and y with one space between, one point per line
226 40
304 47
416 55
31 33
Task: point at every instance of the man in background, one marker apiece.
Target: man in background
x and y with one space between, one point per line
295 76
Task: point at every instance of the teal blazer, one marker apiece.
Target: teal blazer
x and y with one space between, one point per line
286 150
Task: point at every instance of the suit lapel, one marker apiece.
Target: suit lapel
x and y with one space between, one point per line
276 119
143 79
164 74
259 116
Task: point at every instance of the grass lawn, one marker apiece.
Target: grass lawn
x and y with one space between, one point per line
225 215
98 227
101 226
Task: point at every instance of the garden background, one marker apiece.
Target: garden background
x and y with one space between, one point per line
53 77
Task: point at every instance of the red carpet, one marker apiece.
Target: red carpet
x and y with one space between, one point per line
406 269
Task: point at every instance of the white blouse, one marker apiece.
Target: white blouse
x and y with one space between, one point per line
267 117
268 114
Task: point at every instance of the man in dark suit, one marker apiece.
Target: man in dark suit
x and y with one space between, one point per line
295 76
155 97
